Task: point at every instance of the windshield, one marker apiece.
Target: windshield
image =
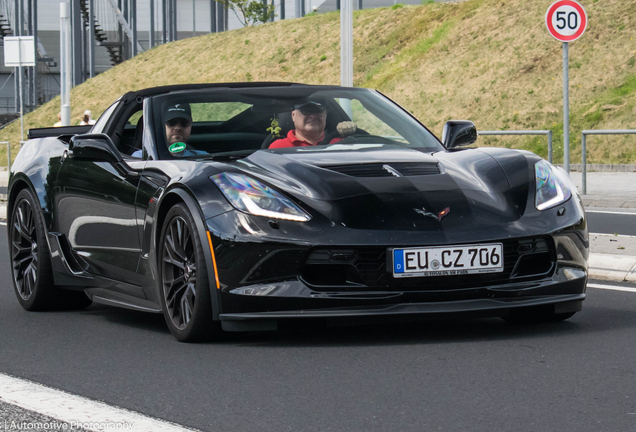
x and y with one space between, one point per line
193 124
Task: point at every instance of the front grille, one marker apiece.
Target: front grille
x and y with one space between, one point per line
367 268
405 169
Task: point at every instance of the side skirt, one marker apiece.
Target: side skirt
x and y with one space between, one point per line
111 298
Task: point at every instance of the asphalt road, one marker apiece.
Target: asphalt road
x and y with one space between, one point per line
600 221
477 375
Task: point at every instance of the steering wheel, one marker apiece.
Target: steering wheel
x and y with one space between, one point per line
334 134
328 137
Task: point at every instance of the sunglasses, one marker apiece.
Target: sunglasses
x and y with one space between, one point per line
178 121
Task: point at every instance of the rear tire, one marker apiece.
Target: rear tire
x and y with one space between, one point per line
31 261
185 287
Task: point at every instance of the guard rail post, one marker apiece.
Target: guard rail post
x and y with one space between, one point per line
524 132
584 149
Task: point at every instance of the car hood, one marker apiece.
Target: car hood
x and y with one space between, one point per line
390 187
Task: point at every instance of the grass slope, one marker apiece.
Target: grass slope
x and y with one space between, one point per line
490 61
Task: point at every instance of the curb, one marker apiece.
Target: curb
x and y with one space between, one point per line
620 268
591 201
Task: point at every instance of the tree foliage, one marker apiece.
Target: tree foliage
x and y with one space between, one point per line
250 12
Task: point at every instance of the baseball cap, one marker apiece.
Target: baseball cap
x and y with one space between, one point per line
179 110
310 106
87 112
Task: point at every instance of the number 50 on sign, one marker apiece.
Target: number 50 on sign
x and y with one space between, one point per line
566 20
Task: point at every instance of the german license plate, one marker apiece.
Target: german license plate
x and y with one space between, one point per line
448 260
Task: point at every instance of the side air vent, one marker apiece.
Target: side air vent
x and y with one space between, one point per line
395 169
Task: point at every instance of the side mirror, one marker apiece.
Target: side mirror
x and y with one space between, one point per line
459 133
94 147
99 148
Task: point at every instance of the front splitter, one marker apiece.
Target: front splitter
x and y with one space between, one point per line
495 307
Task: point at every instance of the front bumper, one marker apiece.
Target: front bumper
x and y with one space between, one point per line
264 279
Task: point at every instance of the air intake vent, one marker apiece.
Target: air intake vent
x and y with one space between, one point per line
397 169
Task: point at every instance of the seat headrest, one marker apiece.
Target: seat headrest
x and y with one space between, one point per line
139 132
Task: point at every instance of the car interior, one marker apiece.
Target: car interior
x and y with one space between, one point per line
248 130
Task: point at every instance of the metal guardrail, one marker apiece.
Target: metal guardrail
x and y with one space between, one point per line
584 134
524 132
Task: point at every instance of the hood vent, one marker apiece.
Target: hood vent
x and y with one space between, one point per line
394 169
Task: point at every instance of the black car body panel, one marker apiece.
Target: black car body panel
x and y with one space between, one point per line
104 219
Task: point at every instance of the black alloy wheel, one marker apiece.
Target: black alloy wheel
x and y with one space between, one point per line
185 291
24 249
31 260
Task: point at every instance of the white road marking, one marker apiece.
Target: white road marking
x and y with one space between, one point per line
609 212
3 223
77 411
612 287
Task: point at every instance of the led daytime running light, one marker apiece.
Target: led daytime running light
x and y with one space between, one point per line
551 189
253 197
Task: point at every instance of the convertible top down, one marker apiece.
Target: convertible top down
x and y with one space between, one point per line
221 232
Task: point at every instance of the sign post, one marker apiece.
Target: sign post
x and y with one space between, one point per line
19 51
65 63
566 21
346 51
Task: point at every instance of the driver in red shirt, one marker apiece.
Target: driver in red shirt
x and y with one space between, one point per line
309 121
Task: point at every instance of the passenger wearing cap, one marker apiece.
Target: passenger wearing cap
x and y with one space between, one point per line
178 122
178 125
310 120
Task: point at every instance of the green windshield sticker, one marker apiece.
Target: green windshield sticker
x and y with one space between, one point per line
177 147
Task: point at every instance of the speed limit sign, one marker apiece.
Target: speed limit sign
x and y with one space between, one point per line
566 20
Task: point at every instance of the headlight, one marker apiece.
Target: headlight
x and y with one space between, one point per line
253 197
552 186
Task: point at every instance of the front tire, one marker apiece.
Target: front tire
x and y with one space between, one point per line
185 287
31 261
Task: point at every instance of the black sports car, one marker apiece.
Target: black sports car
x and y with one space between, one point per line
175 203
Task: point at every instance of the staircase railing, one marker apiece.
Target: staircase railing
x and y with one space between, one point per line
114 49
5 26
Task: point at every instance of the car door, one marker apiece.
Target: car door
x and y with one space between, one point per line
95 206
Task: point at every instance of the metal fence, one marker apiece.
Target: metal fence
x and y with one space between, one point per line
524 132
584 134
